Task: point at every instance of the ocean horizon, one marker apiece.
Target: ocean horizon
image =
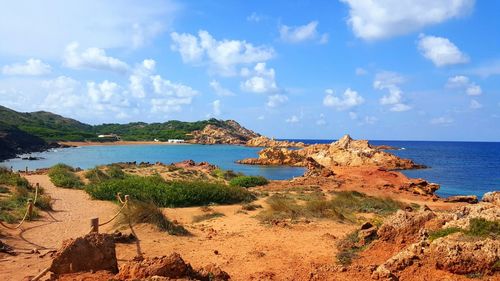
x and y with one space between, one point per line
459 167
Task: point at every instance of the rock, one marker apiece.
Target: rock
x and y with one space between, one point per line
314 169
472 199
4 248
421 187
225 132
382 273
406 257
173 267
492 197
263 141
276 156
91 252
366 234
344 152
123 238
463 256
462 215
404 226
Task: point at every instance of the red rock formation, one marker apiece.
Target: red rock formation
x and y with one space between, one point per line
263 141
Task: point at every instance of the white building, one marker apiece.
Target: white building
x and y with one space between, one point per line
175 141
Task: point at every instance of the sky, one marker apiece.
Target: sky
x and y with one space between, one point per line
383 70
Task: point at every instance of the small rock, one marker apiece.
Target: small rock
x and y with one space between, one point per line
472 199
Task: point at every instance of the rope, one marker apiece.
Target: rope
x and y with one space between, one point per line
116 215
19 225
25 214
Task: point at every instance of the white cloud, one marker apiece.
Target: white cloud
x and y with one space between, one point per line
261 117
260 80
48 26
353 115
293 119
349 99
390 81
170 96
370 120
222 56
216 111
219 90
474 104
463 83
92 58
444 120
361 71
488 69
64 94
297 34
441 51
372 20
276 100
255 17
33 67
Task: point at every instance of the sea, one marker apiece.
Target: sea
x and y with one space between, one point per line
459 167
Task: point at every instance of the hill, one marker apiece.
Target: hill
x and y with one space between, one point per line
14 141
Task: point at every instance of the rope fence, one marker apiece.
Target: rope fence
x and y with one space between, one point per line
29 210
94 222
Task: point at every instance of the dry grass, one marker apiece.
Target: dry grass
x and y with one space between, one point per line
207 216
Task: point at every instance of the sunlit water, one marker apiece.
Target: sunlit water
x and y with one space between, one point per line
459 167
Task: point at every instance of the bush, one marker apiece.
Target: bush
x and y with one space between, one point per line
169 193
251 207
443 233
115 172
353 201
63 175
207 216
95 175
248 181
225 174
146 212
480 227
347 249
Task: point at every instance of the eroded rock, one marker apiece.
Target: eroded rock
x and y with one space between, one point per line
92 252
263 141
492 197
404 225
471 199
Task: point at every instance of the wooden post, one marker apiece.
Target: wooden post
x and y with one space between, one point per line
94 224
26 169
30 208
11 169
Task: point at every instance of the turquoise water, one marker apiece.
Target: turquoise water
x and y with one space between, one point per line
223 156
459 167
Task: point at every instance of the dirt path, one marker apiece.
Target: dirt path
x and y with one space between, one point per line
70 218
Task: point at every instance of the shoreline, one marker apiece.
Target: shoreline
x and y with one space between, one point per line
116 143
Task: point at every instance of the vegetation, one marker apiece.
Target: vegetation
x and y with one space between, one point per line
169 193
207 216
250 207
63 175
248 181
349 248
341 208
225 174
478 227
18 191
53 127
147 212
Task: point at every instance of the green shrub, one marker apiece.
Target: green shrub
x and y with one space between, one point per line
147 212
207 216
353 201
250 207
63 175
248 181
443 232
169 193
480 227
347 248
225 174
95 175
115 172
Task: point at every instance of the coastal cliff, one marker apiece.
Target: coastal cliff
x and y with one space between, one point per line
228 132
14 141
263 141
344 152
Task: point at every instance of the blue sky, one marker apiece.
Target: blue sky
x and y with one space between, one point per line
388 69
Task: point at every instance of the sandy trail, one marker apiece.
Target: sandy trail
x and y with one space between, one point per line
70 218
237 242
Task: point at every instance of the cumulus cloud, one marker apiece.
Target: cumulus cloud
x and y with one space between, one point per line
349 99
32 67
96 23
276 100
170 96
372 20
464 83
297 34
487 69
292 119
260 79
92 58
441 51
219 90
444 120
390 81
216 111
64 94
222 56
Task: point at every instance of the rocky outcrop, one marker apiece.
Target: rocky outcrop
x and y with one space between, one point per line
492 197
315 169
404 226
91 252
471 199
401 260
277 156
14 142
171 267
461 216
464 256
263 141
230 132
421 187
344 152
